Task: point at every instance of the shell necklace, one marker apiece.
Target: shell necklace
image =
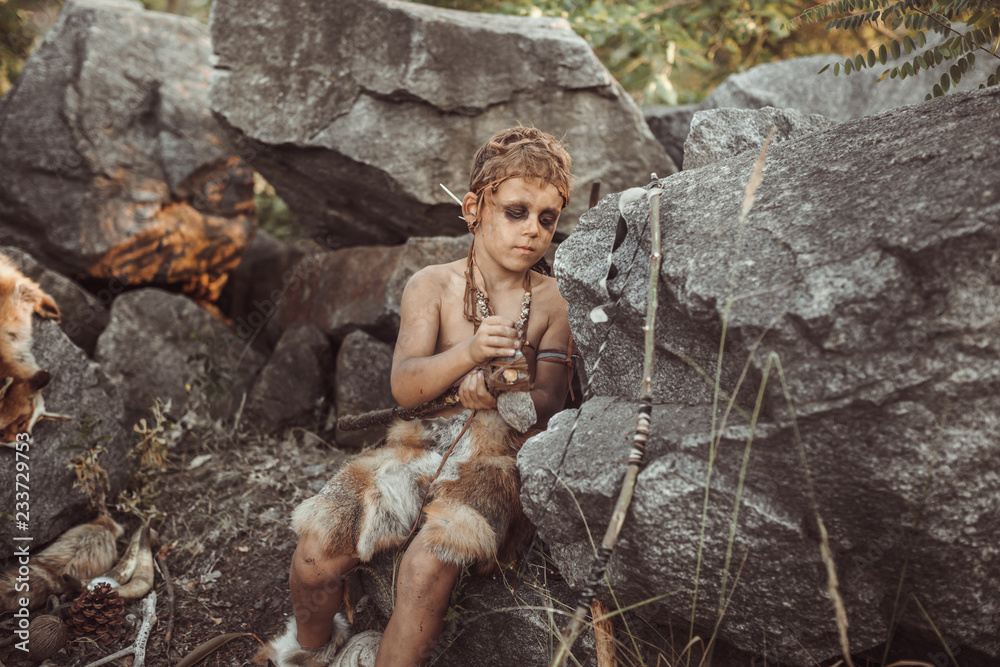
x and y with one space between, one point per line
477 304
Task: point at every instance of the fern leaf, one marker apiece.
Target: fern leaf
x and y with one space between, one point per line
883 54
945 82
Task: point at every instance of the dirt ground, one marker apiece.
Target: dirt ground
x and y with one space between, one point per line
222 507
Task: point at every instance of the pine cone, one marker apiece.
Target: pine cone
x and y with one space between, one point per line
99 614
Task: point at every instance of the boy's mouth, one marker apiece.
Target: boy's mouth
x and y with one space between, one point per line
525 249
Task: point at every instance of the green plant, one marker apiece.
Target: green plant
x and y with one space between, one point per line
966 27
273 214
676 51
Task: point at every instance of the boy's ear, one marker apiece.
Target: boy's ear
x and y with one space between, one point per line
469 208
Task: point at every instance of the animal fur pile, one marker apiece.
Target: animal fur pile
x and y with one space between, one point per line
21 379
82 552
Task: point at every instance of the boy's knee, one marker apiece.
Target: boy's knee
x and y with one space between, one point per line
313 566
423 570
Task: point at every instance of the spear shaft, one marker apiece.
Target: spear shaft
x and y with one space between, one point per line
637 454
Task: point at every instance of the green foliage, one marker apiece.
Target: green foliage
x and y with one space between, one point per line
273 214
21 28
965 27
676 51
194 8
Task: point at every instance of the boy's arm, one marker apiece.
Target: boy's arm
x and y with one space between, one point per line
419 375
551 381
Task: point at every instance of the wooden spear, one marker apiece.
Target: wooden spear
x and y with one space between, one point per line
637 455
389 415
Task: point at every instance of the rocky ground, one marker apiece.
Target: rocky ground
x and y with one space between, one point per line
221 508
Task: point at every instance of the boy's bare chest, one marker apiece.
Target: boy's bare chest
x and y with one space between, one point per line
455 328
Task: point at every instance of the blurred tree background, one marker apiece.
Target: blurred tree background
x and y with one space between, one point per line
669 52
676 52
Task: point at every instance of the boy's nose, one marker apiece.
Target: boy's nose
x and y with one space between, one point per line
533 225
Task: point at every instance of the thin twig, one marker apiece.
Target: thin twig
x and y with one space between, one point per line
239 413
749 196
138 647
161 561
637 454
947 26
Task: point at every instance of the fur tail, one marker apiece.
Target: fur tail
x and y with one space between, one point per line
285 651
82 552
35 582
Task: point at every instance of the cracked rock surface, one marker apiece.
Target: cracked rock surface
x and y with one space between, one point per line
372 104
111 164
81 391
870 266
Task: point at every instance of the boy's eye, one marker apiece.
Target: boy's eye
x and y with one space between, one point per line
549 221
516 213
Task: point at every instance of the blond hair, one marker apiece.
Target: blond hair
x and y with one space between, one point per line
519 152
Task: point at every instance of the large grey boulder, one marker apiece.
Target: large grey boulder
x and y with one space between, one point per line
84 315
797 84
112 164
364 368
293 382
717 134
164 346
258 285
81 391
360 288
372 104
864 267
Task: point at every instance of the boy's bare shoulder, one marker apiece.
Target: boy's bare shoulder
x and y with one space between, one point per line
435 284
545 293
436 277
545 298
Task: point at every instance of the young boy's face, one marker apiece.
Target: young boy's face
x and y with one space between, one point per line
519 222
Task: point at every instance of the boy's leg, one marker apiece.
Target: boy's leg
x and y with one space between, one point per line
423 592
316 581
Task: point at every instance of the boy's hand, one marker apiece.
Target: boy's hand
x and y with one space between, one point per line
496 337
473 394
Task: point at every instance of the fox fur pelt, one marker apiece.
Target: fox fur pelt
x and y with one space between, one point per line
82 552
473 514
21 379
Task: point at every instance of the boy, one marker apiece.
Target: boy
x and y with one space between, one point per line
456 319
